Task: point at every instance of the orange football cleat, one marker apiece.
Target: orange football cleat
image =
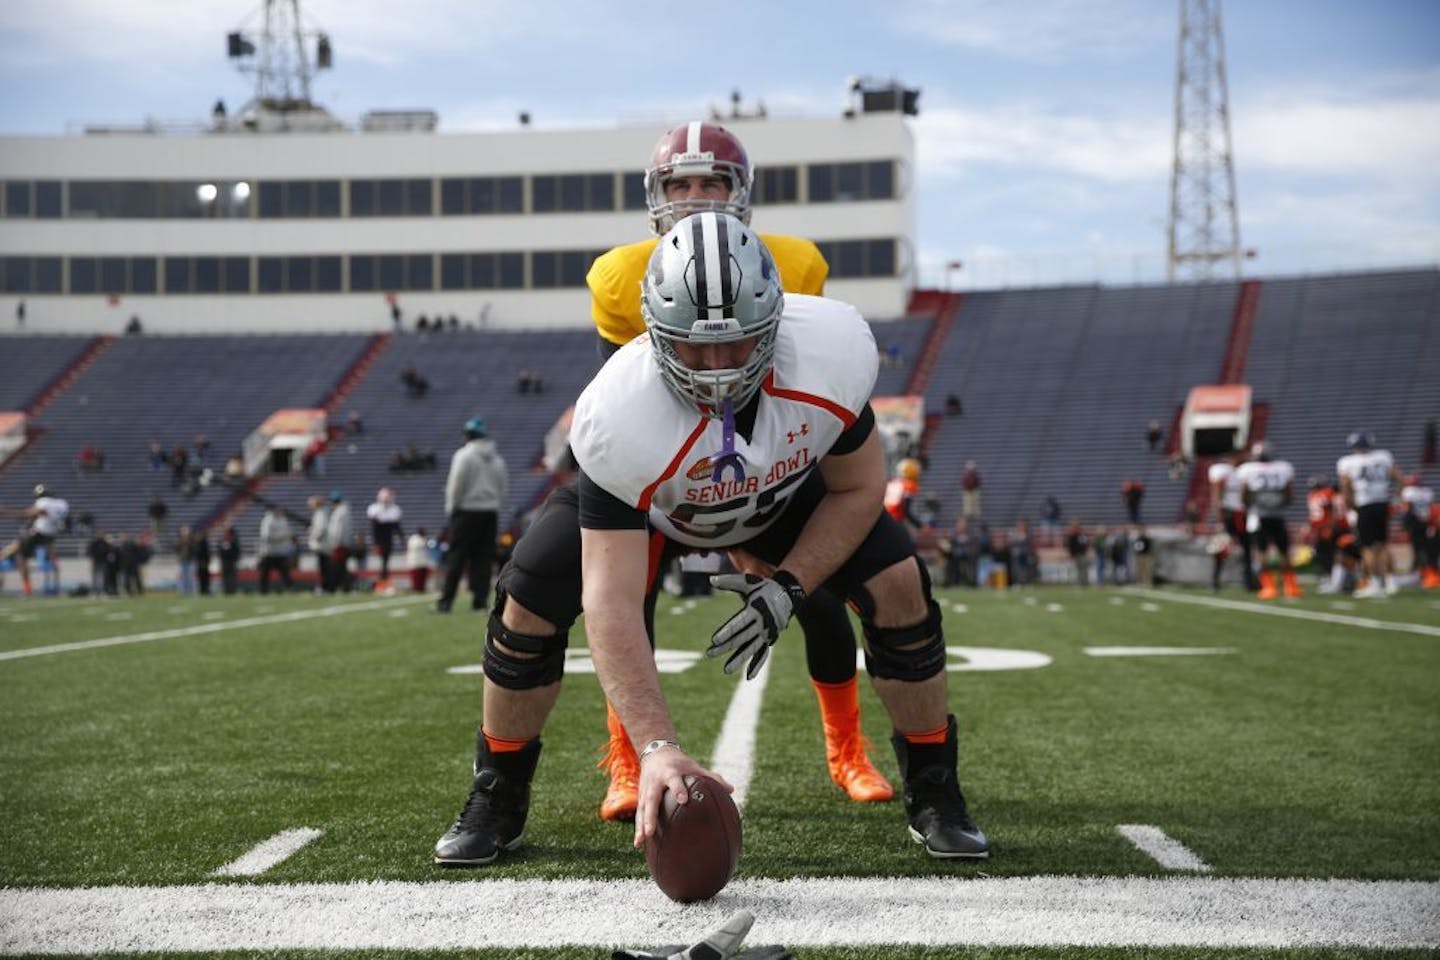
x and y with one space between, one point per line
1429 579
1267 586
623 766
1292 586
847 753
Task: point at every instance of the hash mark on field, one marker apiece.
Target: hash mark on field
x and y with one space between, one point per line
268 853
1117 601
959 608
1163 848
205 628
213 615
1154 651
399 613
122 615
1054 608
1150 607
1336 618
22 617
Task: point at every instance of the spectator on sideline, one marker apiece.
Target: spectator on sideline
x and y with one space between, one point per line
1077 544
970 484
417 558
317 540
474 493
277 543
339 534
229 561
202 561
185 560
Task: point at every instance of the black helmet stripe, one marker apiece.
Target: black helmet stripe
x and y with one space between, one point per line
714 285
702 286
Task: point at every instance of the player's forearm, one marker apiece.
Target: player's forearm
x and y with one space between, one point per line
626 668
839 524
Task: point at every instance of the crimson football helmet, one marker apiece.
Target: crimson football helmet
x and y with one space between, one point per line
697 149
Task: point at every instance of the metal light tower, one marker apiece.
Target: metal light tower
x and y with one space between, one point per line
1204 228
278 56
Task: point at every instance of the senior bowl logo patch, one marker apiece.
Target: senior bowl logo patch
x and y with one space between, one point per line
701 469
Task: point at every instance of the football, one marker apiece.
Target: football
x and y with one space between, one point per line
696 847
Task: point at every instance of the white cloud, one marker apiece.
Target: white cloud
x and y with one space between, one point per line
1041 30
1024 137
1396 139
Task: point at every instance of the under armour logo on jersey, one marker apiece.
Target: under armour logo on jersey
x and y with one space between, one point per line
792 435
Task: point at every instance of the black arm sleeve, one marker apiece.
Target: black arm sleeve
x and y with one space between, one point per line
859 432
605 348
602 510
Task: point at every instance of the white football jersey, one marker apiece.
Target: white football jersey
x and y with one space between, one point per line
638 441
1266 480
51 518
1418 499
1369 473
1232 494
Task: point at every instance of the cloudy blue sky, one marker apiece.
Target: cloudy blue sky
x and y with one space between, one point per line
1043 144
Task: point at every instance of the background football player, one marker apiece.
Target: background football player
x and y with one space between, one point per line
1366 478
1419 503
1269 486
695 167
1228 496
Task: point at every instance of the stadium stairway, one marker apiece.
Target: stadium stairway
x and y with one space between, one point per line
1232 371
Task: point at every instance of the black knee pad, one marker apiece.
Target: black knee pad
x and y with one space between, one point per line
544 665
884 657
886 660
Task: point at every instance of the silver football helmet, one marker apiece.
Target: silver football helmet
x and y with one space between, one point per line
711 281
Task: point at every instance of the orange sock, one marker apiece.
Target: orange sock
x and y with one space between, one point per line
1267 581
839 702
929 736
502 745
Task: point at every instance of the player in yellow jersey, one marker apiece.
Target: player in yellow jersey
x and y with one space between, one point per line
695 167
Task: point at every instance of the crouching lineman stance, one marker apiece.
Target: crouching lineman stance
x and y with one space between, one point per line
741 421
695 167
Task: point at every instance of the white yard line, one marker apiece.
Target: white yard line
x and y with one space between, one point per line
734 754
1162 848
1154 651
204 628
1367 623
269 853
958 910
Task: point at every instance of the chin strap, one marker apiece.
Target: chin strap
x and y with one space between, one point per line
727 458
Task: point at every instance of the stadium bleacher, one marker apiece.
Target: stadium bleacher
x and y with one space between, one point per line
1057 384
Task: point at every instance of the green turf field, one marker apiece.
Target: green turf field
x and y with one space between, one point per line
1303 748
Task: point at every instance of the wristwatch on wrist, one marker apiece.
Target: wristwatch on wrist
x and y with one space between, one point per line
654 745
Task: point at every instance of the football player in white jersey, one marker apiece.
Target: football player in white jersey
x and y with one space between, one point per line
740 421
1269 486
1228 496
47 520
1419 519
1366 478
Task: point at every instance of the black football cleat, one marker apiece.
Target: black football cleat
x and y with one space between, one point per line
493 818
934 802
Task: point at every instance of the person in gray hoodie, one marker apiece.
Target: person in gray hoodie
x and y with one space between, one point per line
474 492
338 534
277 543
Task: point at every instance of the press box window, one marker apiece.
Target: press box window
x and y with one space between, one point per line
777 185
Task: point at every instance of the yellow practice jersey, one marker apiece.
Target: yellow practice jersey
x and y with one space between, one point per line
615 276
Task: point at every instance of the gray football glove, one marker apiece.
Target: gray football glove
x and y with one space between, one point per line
768 604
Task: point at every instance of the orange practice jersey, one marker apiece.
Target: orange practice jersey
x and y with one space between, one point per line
897 492
614 281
